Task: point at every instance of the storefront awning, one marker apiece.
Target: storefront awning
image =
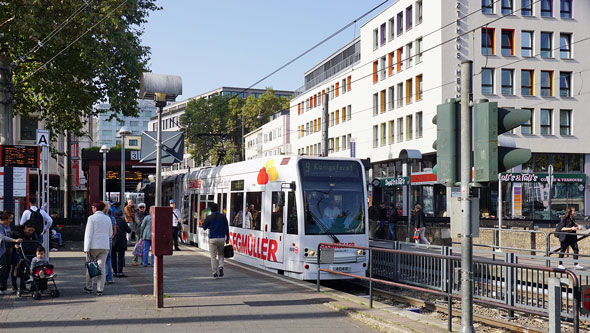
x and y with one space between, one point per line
514 177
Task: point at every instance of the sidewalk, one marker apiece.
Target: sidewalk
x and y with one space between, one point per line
244 300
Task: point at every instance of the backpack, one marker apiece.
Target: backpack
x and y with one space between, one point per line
36 219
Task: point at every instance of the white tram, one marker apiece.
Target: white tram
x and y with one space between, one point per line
280 208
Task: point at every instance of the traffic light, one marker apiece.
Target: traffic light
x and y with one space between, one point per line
447 142
489 122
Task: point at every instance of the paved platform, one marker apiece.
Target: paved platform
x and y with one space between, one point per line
245 300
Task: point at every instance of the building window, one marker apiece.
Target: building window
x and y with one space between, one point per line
507 7
409 128
375 104
527 82
546 44
507 42
546 121
546 8
526 44
331 119
134 142
375 71
348 82
565 81
344 85
409 55
375 136
419 88
337 144
400 95
409 91
419 128
418 50
134 123
487 81
565 9
337 117
487 41
344 114
409 18
348 112
526 7
527 128
507 81
28 128
565 117
487 6
383 66
565 51
107 133
375 39
390 63
382 34
400 129
391 94
546 83
383 134
391 28
391 132
400 52
400 23
382 101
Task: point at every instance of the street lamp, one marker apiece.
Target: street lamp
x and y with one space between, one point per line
243 138
123 132
104 150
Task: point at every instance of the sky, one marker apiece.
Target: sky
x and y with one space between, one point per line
234 43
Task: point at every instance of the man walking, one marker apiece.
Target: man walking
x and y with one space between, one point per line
40 219
218 233
176 224
130 219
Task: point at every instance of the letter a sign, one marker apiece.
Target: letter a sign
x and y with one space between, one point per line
42 138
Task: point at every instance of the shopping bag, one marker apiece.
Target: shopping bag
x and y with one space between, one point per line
416 233
228 251
92 267
138 249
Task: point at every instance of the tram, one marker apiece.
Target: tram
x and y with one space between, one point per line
279 210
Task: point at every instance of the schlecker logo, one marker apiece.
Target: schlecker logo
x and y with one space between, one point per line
268 173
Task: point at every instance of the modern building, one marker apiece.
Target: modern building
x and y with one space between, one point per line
526 55
271 139
107 129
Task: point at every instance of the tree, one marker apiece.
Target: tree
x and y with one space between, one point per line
222 114
104 65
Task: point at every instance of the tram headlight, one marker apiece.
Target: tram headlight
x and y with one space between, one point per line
312 253
360 252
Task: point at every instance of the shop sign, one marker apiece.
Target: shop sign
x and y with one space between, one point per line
395 181
542 177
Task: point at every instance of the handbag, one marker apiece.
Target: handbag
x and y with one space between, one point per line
228 251
138 249
416 233
92 267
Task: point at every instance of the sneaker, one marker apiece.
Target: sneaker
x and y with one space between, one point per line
99 293
54 250
88 291
110 282
215 276
576 266
561 267
122 275
30 279
220 271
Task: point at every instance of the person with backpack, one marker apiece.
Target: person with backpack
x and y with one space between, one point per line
567 228
119 245
40 219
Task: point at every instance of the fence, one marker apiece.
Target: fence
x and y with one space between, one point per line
507 283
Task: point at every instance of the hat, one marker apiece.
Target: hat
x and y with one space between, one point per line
141 205
172 201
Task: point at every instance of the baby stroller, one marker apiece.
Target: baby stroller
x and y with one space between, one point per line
26 252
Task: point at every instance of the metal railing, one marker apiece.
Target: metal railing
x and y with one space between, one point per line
506 284
548 251
497 247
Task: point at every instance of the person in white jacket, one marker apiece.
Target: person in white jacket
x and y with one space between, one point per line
96 244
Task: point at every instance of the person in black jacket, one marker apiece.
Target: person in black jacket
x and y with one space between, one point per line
373 219
420 225
119 245
568 225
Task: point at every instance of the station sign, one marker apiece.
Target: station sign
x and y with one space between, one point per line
394 181
19 156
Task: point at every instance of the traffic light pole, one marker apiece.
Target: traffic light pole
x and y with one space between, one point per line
466 234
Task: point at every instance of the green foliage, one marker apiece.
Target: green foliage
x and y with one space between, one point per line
223 115
103 65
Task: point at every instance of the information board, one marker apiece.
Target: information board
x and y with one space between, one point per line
20 156
129 175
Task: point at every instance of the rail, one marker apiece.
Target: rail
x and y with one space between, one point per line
548 251
497 284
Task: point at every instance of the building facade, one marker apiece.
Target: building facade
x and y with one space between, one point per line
526 55
107 130
271 139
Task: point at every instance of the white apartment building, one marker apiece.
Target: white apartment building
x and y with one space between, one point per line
271 139
526 54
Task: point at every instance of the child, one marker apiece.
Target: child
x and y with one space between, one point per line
37 264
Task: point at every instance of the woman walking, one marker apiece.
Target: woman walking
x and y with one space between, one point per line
120 245
568 225
98 232
146 235
420 226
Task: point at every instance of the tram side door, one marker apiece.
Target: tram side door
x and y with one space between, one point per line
273 229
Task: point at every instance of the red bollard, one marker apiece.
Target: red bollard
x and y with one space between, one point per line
161 246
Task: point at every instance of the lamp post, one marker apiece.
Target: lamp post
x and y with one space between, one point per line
123 132
243 137
104 150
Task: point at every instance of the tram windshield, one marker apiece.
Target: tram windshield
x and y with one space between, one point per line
333 197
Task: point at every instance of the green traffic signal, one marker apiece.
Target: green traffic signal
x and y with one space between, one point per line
447 142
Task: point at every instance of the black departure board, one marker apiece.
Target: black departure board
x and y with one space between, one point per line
129 175
20 156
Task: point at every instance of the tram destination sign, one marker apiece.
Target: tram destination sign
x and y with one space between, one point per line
20 156
326 168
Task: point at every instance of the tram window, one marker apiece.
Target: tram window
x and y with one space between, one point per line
222 202
237 185
237 209
276 222
253 215
292 215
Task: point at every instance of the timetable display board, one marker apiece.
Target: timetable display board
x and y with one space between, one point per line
19 156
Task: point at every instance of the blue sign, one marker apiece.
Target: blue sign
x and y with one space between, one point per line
352 149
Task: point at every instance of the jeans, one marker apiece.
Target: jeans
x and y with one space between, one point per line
4 269
101 257
147 243
422 238
58 236
391 234
175 231
569 242
216 246
109 264
118 260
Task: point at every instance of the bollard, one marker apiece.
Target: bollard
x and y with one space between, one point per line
554 305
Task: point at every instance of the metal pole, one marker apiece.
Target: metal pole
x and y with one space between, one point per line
122 194
67 200
325 123
104 176
499 211
6 98
466 236
409 168
371 278
159 156
243 139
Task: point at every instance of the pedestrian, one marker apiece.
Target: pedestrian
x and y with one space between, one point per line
176 224
420 225
146 234
109 264
392 220
5 241
373 219
248 218
41 220
99 229
26 232
218 237
568 238
130 219
382 231
120 245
